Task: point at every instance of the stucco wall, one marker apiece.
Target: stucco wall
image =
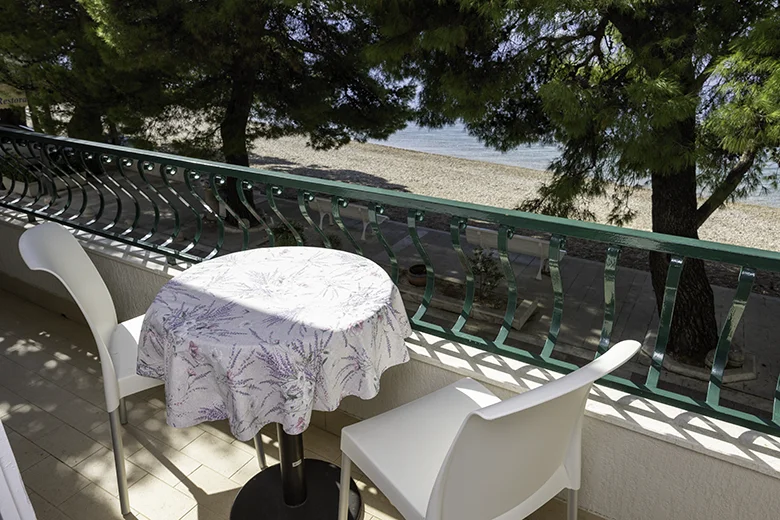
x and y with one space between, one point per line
133 277
641 460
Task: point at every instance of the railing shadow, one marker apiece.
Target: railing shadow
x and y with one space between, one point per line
197 493
706 435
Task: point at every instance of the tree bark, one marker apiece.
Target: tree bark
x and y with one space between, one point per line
86 123
669 41
233 130
694 328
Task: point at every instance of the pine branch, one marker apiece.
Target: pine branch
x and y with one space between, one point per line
726 188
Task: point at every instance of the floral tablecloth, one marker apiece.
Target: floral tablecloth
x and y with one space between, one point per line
268 335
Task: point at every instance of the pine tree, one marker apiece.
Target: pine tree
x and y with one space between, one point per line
259 69
50 49
681 92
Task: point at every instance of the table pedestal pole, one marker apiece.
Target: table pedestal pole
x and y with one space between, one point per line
292 466
295 489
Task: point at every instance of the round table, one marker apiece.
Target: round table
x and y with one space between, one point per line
270 335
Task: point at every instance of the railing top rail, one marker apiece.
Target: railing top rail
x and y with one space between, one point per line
707 250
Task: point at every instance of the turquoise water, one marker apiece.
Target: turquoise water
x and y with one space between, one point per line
454 141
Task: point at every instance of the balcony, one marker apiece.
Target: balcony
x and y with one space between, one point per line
659 437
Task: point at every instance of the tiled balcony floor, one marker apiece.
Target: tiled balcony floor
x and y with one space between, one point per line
52 407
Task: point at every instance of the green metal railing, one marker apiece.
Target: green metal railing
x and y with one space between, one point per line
159 202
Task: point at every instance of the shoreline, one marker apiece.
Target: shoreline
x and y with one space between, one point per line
492 184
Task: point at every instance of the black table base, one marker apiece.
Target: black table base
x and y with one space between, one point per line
295 489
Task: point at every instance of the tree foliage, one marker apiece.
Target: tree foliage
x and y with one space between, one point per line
609 80
258 69
51 50
680 95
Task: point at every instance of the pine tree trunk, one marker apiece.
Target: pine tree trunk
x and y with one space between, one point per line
672 44
233 131
85 123
694 328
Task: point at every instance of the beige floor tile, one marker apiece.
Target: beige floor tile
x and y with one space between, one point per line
321 442
43 394
156 427
201 513
317 419
222 457
556 508
8 400
336 420
252 468
249 446
94 503
13 375
157 500
219 429
102 434
58 372
30 421
26 351
26 453
100 469
374 501
311 455
68 445
247 471
139 410
81 354
380 515
43 509
80 414
53 480
154 396
89 388
165 463
270 446
210 489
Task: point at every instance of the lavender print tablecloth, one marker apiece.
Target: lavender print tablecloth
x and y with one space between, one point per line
268 335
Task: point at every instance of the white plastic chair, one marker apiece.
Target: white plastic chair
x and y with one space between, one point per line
461 453
50 247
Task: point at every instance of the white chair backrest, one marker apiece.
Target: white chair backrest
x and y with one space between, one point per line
511 457
50 247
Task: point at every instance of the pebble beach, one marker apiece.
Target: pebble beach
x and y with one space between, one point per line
486 183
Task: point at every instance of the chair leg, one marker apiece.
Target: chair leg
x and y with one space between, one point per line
122 411
346 466
572 505
119 460
260 450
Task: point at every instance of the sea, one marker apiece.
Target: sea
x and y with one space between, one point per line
455 141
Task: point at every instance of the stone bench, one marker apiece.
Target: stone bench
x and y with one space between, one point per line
488 239
353 211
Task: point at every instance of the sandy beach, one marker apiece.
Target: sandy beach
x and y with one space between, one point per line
486 183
